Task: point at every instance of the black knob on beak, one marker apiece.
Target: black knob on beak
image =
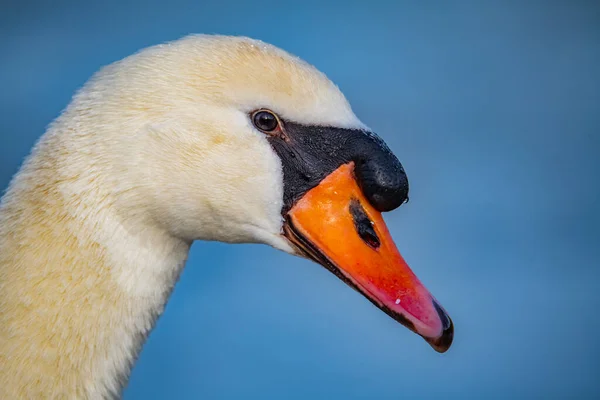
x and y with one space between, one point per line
381 176
310 153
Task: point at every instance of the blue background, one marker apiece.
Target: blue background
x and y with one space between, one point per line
494 110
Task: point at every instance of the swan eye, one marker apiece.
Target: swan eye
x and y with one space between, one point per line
265 121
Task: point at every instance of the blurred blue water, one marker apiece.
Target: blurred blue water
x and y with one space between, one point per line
494 110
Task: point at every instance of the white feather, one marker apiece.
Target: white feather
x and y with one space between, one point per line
156 151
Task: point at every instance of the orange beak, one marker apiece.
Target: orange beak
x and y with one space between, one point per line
335 225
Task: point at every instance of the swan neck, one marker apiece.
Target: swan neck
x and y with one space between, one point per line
81 285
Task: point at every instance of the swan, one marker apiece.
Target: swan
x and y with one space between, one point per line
207 137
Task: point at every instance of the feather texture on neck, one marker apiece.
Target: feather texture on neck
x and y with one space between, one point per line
80 285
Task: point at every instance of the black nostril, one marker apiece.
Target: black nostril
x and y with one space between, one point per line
363 225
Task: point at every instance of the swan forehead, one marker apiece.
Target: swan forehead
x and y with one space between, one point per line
248 74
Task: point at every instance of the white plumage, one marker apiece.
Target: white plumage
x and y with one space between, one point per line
156 151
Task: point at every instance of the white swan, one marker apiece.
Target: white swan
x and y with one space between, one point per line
205 138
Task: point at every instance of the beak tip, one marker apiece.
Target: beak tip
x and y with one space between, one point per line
442 343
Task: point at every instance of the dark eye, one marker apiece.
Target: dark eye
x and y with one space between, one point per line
266 121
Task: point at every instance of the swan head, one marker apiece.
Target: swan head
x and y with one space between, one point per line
234 140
